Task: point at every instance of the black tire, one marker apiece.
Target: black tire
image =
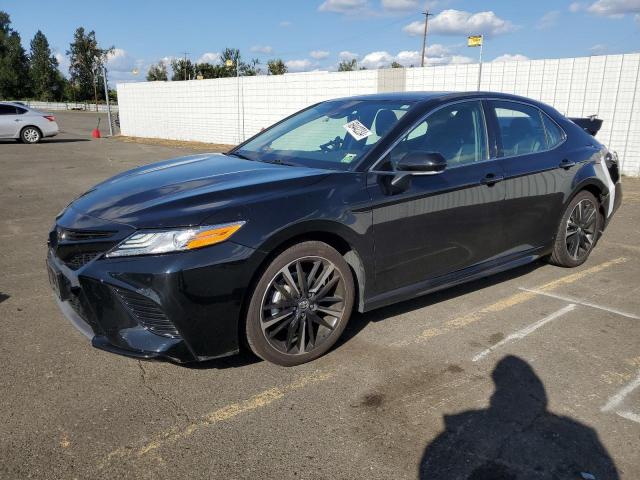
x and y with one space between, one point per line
578 232
30 135
306 330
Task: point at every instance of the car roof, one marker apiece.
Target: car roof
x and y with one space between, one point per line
14 104
437 96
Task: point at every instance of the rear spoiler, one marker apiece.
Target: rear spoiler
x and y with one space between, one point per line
590 124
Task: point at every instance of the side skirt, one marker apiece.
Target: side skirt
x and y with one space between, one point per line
468 274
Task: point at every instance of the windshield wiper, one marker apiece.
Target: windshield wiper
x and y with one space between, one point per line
277 161
239 155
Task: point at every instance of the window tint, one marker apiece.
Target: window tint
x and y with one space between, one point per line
20 110
7 110
554 134
521 129
456 131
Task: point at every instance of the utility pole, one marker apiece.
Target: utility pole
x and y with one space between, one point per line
106 96
424 37
184 64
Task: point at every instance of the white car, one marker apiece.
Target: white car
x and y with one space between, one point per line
22 123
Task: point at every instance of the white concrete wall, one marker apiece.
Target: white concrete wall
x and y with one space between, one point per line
207 110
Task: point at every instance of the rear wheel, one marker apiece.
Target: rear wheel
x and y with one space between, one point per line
300 305
578 231
30 135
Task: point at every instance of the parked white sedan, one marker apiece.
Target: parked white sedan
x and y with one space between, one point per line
22 123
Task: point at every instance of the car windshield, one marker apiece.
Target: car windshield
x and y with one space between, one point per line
333 134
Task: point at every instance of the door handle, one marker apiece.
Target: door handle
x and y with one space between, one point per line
491 178
566 164
17 120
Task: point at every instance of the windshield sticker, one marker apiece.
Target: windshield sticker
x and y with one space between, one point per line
357 130
348 158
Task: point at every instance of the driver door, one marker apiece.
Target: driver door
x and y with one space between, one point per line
444 222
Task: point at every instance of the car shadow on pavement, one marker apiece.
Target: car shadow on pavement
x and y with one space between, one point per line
359 321
3 297
516 437
242 359
50 140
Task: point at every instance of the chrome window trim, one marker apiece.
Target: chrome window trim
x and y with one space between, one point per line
410 128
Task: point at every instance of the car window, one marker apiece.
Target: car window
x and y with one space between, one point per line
555 135
520 128
20 110
333 134
7 110
456 131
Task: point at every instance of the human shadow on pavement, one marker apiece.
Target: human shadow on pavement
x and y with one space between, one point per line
516 438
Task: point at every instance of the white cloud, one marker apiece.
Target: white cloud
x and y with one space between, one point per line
343 6
508 57
400 5
63 62
346 55
119 60
319 54
302 65
376 60
262 49
598 49
576 7
614 8
458 22
548 20
285 23
208 57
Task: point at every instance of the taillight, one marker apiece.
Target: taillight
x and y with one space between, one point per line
51 118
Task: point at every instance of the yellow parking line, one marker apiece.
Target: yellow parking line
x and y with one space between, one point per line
506 303
222 414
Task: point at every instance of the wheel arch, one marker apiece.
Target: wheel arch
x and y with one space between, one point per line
30 126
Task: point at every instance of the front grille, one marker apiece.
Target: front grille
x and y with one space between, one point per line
80 259
147 312
80 235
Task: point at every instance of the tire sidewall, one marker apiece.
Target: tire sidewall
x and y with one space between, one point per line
254 335
24 140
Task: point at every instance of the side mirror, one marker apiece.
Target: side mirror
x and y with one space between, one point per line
417 163
426 163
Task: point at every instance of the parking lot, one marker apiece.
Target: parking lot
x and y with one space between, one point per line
539 366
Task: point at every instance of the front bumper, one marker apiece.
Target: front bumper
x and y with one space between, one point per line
183 307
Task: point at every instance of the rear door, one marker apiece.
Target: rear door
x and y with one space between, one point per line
8 121
538 171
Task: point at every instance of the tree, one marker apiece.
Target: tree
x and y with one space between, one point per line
43 68
250 69
395 64
209 70
182 69
14 63
348 65
157 72
276 67
87 60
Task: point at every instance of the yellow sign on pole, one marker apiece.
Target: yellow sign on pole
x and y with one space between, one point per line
474 41
229 63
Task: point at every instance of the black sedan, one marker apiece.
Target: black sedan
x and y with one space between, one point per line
349 204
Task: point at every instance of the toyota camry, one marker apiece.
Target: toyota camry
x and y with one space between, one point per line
349 204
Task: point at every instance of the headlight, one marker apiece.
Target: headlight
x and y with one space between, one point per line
150 242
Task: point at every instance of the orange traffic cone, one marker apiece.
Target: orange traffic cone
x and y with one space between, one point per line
95 133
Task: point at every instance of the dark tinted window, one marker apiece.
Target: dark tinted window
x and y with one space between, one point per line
554 134
456 131
20 110
7 110
521 129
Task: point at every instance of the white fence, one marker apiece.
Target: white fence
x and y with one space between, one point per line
49 106
228 110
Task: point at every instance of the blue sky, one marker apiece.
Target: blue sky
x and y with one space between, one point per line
316 34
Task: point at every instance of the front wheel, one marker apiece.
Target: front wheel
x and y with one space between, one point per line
578 231
301 304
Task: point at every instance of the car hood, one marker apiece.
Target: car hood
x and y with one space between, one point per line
185 191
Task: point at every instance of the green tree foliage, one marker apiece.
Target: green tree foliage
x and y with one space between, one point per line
348 65
250 69
208 70
87 60
43 69
276 67
157 72
395 64
14 63
182 69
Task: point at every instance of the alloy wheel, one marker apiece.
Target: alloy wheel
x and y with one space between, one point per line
581 229
303 304
31 135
